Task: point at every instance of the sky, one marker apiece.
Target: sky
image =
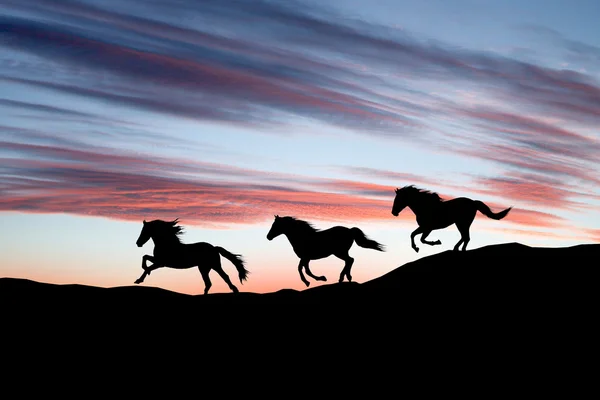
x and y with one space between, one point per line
224 113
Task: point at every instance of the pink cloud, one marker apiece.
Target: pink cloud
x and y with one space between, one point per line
594 234
533 218
529 192
59 186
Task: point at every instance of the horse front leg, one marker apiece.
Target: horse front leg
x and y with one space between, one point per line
147 269
429 242
309 272
300 266
145 259
141 278
412 238
147 272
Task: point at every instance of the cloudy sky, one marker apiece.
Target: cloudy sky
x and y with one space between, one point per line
223 113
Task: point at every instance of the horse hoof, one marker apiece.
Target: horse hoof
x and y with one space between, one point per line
322 278
416 249
437 242
307 284
137 282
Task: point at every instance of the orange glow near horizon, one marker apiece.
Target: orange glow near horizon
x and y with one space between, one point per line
110 261
112 116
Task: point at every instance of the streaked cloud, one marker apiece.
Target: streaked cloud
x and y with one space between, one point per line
282 62
577 53
265 64
53 179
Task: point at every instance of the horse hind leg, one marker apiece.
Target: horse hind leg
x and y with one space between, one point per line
207 283
457 245
465 237
225 277
347 266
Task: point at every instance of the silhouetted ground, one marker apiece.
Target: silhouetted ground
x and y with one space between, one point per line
488 299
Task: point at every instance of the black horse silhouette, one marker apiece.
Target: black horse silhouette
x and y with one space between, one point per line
434 213
310 243
170 252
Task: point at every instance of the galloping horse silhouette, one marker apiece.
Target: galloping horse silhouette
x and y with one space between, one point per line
170 252
434 213
310 243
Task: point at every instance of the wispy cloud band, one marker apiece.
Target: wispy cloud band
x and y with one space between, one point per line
261 64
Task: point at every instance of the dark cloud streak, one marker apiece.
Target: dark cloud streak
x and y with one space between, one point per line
255 63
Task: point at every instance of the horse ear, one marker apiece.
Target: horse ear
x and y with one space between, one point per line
397 190
144 222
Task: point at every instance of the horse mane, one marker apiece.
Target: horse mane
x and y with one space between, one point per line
300 224
412 190
168 228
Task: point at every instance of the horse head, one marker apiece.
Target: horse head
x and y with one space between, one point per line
400 202
144 234
276 228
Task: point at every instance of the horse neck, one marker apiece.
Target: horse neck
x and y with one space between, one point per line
421 205
165 240
296 235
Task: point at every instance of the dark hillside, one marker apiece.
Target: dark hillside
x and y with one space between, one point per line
506 282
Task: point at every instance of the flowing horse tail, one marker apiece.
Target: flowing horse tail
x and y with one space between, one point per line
485 210
363 241
236 260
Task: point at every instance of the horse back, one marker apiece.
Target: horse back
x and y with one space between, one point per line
446 213
459 209
323 243
459 203
200 246
183 248
185 255
334 234
334 231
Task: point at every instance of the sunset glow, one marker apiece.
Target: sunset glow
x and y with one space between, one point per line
224 113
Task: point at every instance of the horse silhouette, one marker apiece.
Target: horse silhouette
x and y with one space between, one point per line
434 213
310 243
170 252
